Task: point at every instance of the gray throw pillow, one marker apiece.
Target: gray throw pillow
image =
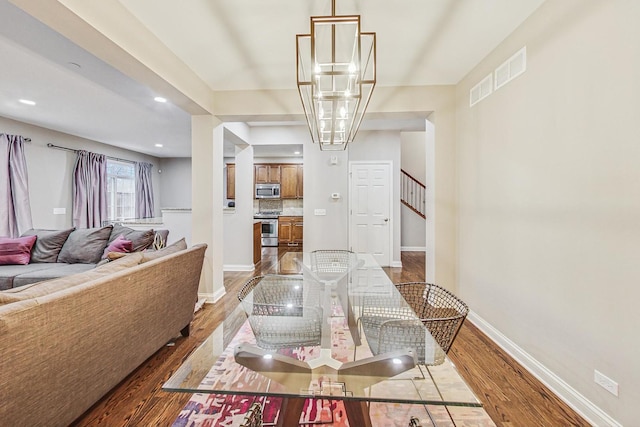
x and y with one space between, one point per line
48 244
85 245
141 239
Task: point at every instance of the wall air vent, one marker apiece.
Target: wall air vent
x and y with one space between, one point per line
481 90
511 68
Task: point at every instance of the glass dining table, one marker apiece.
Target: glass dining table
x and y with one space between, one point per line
339 331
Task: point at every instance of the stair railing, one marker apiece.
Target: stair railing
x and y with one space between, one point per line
412 193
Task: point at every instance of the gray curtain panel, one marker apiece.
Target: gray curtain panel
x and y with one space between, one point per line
144 190
15 208
89 190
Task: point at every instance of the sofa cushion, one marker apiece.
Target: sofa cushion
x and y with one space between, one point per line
9 272
39 289
172 248
141 239
85 245
16 250
60 270
48 244
119 245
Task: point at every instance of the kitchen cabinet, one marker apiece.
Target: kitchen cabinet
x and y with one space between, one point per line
290 230
231 181
291 184
267 173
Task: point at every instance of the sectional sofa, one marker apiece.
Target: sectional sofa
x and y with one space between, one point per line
66 342
58 253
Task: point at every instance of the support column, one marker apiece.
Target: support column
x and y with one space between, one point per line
207 200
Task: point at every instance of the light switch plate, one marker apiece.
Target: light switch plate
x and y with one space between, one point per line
320 212
59 211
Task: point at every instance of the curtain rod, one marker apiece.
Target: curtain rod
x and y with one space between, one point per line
75 151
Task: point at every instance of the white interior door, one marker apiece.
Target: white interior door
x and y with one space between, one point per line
370 210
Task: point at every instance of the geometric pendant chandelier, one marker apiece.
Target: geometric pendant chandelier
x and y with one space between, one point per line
336 73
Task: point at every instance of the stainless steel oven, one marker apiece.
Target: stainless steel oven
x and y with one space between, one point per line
269 234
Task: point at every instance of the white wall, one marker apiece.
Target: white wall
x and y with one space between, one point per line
549 178
238 223
321 179
175 182
50 170
413 160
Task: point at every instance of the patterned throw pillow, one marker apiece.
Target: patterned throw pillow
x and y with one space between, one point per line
16 251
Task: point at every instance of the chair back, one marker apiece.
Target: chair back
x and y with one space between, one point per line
439 310
332 261
279 312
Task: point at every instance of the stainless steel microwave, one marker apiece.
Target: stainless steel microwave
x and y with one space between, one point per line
267 191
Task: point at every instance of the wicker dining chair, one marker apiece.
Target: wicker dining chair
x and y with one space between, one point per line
390 324
278 314
439 310
332 260
253 417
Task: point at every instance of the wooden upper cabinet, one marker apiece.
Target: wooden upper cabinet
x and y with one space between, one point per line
231 181
291 182
267 174
300 182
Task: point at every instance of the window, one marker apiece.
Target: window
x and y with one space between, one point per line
121 190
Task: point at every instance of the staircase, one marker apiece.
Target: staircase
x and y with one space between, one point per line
412 193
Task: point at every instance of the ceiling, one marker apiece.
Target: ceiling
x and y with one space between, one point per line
232 45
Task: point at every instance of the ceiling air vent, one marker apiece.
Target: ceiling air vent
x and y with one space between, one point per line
481 90
511 68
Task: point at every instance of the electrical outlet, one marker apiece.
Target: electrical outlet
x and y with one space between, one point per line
605 382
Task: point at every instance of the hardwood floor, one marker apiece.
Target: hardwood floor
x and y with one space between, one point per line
511 396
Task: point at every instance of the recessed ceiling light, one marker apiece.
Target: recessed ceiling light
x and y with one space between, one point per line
296 152
160 99
27 102
159 145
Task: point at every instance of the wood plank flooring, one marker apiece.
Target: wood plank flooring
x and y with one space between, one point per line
511 396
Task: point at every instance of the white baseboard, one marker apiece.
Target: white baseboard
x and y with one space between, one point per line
395 264
212 298
413 248
592 413
238 267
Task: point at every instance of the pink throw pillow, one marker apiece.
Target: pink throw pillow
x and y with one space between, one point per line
119 245
16 251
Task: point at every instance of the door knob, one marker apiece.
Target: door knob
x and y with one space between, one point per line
386 220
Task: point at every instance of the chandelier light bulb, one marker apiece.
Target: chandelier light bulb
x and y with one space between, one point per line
347 93
352 68
343 112
317 69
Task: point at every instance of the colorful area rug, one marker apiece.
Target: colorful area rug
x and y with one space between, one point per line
218 410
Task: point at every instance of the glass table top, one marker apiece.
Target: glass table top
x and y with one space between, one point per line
339 330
